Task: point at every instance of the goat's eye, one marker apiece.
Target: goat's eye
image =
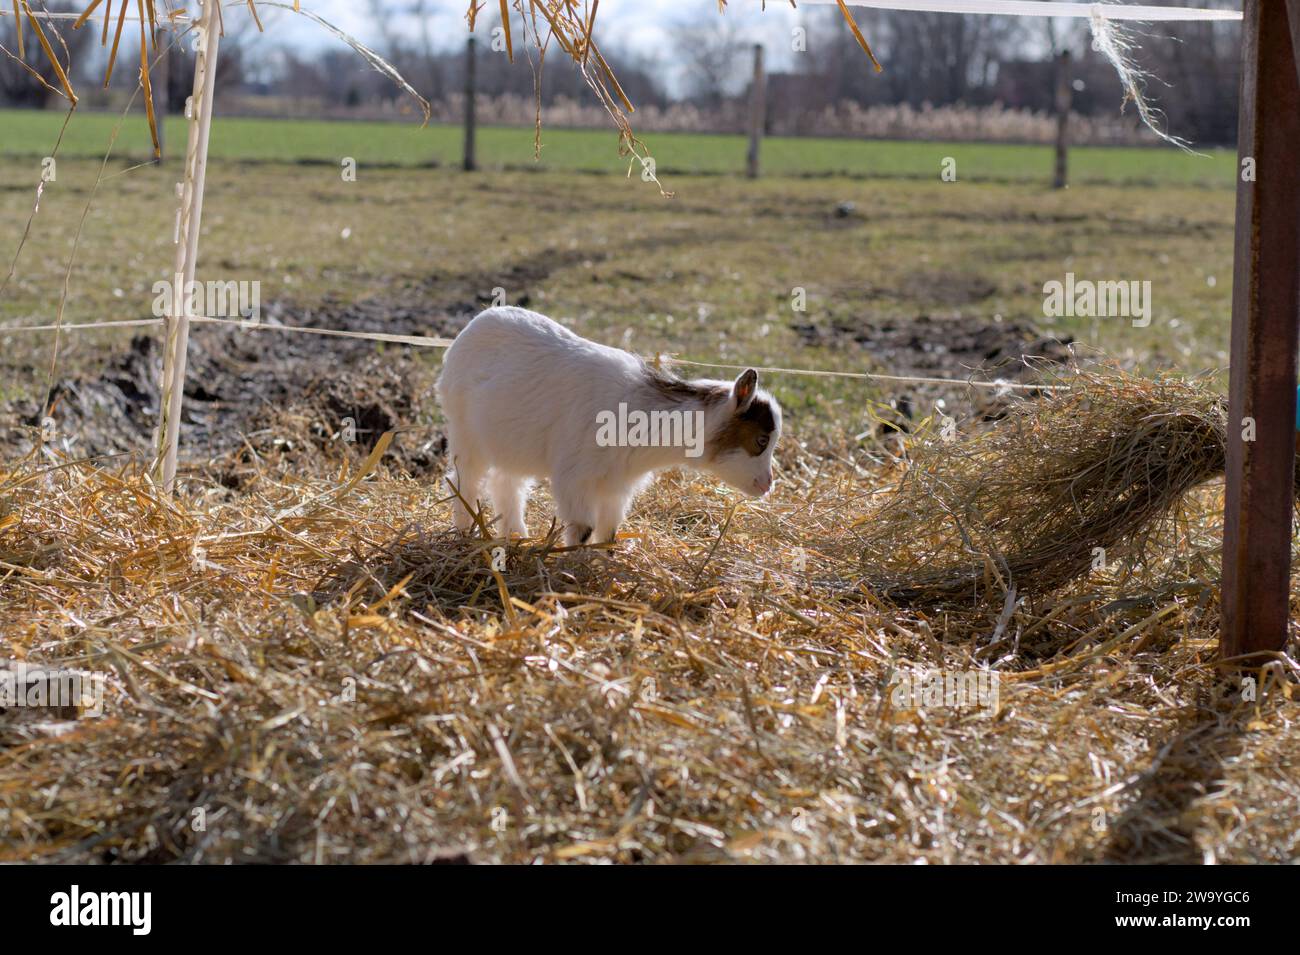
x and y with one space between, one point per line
762 443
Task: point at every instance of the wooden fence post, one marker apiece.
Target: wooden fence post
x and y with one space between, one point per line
1064 96
177 322
1265 322
757 112
471 160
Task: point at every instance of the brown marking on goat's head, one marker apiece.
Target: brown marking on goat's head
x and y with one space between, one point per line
751 430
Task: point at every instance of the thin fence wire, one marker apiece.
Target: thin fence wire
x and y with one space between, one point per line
1045 8
426 341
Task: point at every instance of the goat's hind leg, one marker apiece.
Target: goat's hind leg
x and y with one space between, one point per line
509 496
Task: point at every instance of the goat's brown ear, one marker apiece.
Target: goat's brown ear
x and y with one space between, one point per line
744 388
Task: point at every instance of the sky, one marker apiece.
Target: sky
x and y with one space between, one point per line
635 23
644 27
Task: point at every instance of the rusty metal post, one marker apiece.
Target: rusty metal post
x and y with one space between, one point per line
1265 323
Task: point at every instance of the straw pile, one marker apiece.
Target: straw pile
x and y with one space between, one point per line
1065 483
311 669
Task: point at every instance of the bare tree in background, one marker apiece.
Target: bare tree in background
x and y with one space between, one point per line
929 57
944 58
231 71
413 54
432 67
714 54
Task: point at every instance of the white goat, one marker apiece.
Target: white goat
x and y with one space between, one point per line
525 398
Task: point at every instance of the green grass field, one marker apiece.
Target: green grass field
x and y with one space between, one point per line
708 274
32 133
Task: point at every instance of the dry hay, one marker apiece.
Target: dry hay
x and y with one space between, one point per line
310 669
1069 480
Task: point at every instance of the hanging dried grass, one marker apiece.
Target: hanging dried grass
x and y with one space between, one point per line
49 53
147 16
571 23
1116 43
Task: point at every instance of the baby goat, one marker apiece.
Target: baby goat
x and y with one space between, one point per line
525 398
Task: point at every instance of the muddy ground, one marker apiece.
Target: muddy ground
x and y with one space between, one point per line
955 334
252 391
951 336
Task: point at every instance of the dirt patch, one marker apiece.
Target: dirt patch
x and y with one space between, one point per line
951 347
959 348
946 288
937 289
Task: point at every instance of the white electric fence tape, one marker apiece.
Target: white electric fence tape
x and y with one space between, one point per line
1009 8
1044 8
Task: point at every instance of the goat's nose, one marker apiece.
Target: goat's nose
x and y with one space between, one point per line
763 484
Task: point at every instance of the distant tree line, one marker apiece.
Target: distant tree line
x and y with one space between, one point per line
946 59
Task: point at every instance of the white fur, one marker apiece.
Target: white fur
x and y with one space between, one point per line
521 395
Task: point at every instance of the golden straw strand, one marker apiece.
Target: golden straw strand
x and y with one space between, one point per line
857 35
591 25
18 25
49 52
153 23
505 23
144 81
117 37
85 14
627 104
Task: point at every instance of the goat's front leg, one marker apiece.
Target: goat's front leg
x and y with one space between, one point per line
573 508
610 513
